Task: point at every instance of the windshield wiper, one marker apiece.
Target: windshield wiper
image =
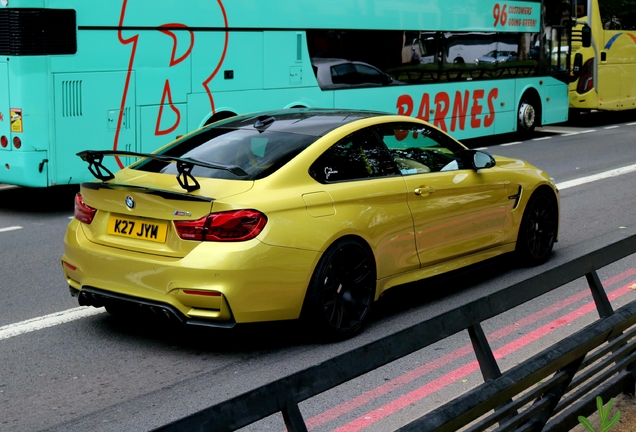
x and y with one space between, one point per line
184 166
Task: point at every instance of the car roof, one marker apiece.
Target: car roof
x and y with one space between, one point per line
328 61
306 121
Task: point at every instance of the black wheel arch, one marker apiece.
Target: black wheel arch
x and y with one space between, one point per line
308 312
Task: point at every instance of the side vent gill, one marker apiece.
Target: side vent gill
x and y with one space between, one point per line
72 98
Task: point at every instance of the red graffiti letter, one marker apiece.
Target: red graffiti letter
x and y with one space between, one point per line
422 114
173 59
166 93
400 134
442 105
490 118
459 110
475 123
404 105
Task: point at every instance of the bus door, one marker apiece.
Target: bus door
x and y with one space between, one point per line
89 116
609 81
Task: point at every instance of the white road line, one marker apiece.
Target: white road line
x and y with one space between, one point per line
13 228
610 127
571 133
541 139
511 143
588 131
556 131
481 148
631 124
607 174
39 323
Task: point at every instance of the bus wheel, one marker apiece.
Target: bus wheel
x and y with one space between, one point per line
527 117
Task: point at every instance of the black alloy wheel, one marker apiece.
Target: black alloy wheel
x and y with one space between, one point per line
341 291
538 229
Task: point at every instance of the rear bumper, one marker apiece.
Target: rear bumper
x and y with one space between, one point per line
256 282
24 168
91 296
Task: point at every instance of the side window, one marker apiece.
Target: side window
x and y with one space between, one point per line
356 157
344 74
419 149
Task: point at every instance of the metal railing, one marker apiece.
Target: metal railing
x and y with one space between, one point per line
596 361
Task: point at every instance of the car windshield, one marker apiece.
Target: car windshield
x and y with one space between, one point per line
259 153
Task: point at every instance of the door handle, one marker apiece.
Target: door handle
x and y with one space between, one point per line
422 190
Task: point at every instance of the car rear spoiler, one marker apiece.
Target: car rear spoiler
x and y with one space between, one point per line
184 166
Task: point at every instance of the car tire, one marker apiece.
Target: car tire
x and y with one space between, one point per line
341 291
526 117
538 229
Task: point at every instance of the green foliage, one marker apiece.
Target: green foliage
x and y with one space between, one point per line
603 414
618 14
555 10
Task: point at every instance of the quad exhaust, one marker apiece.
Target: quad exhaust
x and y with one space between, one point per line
96 297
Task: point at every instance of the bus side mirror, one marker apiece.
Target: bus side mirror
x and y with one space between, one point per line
586 36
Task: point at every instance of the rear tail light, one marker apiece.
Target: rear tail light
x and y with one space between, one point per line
586 79
83 213
230 226
17 143
4 141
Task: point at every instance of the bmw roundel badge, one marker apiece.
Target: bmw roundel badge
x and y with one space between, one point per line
130 202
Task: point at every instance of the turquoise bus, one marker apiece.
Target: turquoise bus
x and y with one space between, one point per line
134 75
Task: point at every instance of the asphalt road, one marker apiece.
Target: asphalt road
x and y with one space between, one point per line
102 374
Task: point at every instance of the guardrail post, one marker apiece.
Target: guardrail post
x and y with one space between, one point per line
539 421
293 418
486 359
598 294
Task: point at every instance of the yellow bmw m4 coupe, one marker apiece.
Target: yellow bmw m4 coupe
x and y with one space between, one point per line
303 213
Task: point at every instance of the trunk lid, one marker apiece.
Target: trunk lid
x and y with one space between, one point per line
135 211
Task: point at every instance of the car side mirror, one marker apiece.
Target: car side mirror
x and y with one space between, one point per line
477 159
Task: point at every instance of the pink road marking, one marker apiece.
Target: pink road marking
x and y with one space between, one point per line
420 371
463 371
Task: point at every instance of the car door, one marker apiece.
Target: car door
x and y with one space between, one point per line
456 210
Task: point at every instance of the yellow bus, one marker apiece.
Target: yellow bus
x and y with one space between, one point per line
603 73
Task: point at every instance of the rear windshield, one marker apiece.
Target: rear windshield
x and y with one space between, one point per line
258 153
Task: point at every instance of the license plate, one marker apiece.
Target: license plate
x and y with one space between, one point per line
143 229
